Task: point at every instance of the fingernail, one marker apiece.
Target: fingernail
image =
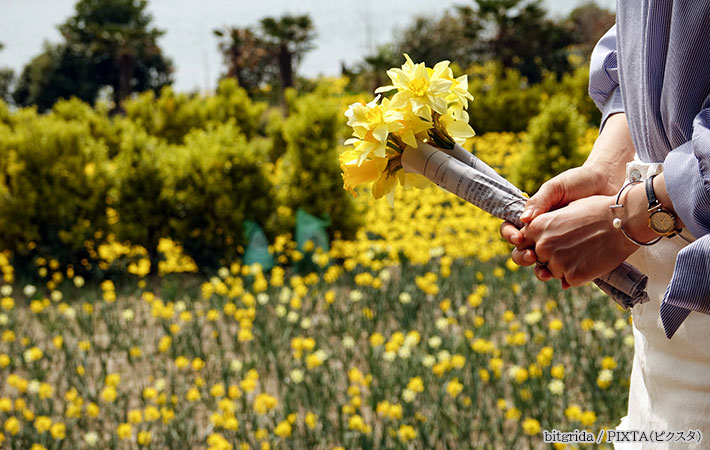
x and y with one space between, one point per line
528 213
516 238
529 257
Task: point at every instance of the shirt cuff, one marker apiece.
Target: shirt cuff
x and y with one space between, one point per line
614 104
684 183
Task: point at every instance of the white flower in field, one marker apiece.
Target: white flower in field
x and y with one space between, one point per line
236 365
128 314
437 252
6 290
285 294
159 384
33 386
533 317
78 281
348 342
3 319
56 296
408 395
321 355
620 324
215 281
306 323
404 352
608 333
29 290
389 356
441 323
606 375
385 275
223 272
405 298
280 311
428 361
356 296
443 355
629 340
462 310
411 340
262 298
434 342
296 375
292 317
91 438
69 313
180 306
599 326
556 387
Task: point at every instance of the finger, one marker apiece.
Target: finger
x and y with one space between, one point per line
524 257
544 199
565 284
543 273
510 233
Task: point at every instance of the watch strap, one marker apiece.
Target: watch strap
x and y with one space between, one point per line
650 194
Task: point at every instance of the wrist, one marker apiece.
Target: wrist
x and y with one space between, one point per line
635 214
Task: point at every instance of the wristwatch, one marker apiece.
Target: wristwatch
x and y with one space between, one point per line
661 221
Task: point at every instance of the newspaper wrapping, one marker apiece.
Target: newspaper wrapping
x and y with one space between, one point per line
463 174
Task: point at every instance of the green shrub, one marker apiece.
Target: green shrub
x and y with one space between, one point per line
312 179
552 144
172 116
137 188
213 183
503 99
574 85
53 186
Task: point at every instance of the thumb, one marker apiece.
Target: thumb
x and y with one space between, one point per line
550 195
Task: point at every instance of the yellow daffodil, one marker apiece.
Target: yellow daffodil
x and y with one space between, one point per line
424 90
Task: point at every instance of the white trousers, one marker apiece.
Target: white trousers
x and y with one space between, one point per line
670 378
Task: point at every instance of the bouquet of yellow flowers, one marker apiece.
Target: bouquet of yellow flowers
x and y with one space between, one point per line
414 138
429 106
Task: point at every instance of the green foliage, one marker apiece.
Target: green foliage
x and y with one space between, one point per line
59 72
171 116
137 190
313 133
503 99
212 184
53 186
552 144
116 40
574 85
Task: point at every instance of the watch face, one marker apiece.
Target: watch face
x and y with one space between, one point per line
662 222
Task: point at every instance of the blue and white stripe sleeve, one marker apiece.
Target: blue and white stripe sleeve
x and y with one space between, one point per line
687 175
604 76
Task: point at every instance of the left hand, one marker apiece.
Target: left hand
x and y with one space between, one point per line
577 242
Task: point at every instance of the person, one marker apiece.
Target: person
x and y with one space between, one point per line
649 76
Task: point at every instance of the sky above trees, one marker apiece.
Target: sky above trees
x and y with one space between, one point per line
346 31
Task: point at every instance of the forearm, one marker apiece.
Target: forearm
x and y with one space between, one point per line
612 150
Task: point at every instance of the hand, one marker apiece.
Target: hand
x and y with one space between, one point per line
571 185
601 174
578 242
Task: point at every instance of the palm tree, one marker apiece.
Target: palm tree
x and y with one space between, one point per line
290 37
246 56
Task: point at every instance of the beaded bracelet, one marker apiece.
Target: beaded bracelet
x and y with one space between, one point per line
616 223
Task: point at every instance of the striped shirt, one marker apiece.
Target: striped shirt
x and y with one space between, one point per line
654 65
